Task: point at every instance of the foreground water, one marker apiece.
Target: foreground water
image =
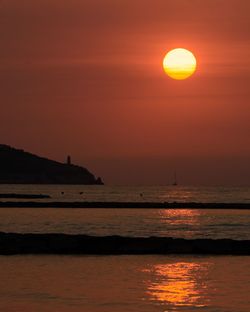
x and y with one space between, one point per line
124 283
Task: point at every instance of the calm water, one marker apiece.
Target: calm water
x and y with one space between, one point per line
187 223
127 283
135 194
124 284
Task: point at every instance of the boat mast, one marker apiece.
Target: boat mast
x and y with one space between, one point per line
175 178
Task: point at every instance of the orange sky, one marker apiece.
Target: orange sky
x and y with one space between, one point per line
85 78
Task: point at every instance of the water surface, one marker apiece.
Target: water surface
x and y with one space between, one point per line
127 283
124 283
134 194
181 223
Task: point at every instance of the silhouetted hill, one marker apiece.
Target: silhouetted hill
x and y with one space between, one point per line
20 167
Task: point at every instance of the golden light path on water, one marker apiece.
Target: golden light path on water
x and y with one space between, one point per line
180 216
179 284
188 220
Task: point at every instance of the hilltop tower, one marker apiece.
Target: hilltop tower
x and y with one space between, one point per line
68 160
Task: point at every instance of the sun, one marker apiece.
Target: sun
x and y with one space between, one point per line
179 64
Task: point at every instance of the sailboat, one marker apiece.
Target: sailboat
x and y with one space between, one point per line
175 179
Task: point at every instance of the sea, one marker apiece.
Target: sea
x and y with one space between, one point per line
127 283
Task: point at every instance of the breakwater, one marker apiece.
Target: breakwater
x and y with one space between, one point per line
137 205
24 196
14 243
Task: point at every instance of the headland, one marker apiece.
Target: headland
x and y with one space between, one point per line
20 167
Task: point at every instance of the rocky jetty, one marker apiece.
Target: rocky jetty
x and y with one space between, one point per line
24 196
20 167
121 205
13 243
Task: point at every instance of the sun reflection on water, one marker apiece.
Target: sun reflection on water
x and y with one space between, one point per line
179 284
180 216
179 221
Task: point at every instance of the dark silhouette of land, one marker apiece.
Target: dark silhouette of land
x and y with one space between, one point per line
20 167
123 205
24 196
12 243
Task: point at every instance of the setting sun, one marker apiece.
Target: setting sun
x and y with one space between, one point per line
179 64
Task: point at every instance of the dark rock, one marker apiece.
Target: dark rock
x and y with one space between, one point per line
24 196
12 243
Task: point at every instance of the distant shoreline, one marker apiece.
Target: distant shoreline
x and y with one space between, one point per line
124 205
66 244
